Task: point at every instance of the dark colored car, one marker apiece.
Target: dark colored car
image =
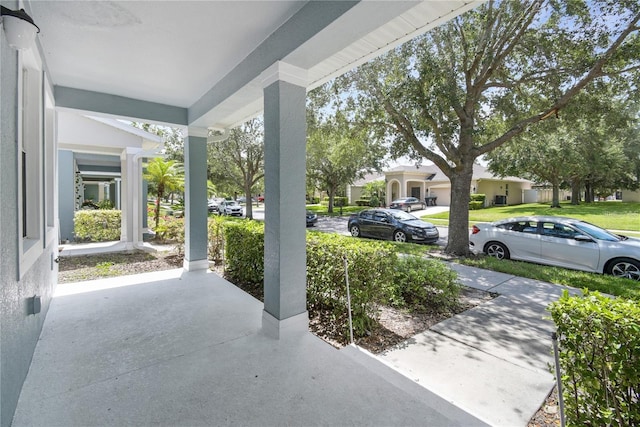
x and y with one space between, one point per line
407 204
392 225
312 218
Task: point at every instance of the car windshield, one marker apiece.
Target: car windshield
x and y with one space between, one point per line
403 216
231 203
596 232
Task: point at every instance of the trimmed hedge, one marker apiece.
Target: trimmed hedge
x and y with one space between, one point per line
100 225
474 206
377 276
337 201
369 287
599 343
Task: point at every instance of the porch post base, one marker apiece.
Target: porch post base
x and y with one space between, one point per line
201 264
291 326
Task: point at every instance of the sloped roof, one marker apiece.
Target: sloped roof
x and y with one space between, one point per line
434 174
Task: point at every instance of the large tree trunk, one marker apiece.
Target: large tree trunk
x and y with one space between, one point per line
331 192
248 204
575 192
555 197
458 242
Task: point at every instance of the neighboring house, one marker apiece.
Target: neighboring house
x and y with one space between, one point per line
355 191
200 66
630 196
101 159
429 181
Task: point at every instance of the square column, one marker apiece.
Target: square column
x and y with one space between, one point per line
285 282
195 200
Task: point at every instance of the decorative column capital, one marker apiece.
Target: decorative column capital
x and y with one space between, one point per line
282 71
197 132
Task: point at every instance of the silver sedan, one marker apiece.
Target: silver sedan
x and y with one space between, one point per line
561 242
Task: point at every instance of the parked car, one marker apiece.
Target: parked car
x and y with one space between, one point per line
391 225
230 207
312 218
561 242
407 204
212 205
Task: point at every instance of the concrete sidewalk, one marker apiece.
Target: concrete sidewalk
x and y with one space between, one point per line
494 361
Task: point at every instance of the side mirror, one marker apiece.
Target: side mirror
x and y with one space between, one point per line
583 238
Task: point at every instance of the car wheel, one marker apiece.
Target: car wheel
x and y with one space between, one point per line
496 250
408 208
399 236
355 231
624 267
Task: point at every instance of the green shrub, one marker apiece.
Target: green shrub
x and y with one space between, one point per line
369 287
215 232
425 284
599 342
474 206
363 202
337 201
100 225
105 204
478 198
171 229
244 251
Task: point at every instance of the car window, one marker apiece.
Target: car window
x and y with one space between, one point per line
381 217
403 216
366 214
558 230
520 226
597 232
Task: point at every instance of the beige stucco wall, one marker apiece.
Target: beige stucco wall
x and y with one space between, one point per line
630 196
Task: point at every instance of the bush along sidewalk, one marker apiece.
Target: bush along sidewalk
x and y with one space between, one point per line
377 276
599 343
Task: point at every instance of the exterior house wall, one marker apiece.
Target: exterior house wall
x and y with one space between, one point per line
20 280
512 191
630 196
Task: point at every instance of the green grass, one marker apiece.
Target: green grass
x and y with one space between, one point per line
609 215
624 288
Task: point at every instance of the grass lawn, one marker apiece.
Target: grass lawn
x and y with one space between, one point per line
609 215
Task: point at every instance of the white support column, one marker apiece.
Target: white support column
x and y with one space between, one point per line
285 296
130 193
195 200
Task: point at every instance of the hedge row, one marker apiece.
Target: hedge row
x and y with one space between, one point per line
377 276
599 343
102 225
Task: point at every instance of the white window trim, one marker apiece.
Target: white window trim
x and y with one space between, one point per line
30 108
50 177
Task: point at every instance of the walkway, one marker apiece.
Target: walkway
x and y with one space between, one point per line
495 360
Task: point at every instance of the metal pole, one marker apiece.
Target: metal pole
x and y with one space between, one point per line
554 337
346 275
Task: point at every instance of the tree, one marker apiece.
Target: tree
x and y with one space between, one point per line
172 138
515 63
239 159
583 148
163 176
338 152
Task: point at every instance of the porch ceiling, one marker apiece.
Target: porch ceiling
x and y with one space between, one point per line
206 58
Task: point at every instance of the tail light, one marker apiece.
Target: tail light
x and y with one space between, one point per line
475 230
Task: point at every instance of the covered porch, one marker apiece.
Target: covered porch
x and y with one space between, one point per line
180 348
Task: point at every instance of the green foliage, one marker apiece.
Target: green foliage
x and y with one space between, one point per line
425 284
475 205
478 197
97 225
171 230
369 287
105 204
244 251
337 201
215 231
599 342
163 177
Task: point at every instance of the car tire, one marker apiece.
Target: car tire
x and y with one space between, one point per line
408 209
496 250
354 230
399 236
624 267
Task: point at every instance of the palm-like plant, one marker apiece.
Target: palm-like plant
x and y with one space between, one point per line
163 176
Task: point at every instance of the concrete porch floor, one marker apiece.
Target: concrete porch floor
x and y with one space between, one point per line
179 348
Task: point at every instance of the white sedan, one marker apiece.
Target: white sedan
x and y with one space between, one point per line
561 242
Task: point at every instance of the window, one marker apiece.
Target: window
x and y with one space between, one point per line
30 162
